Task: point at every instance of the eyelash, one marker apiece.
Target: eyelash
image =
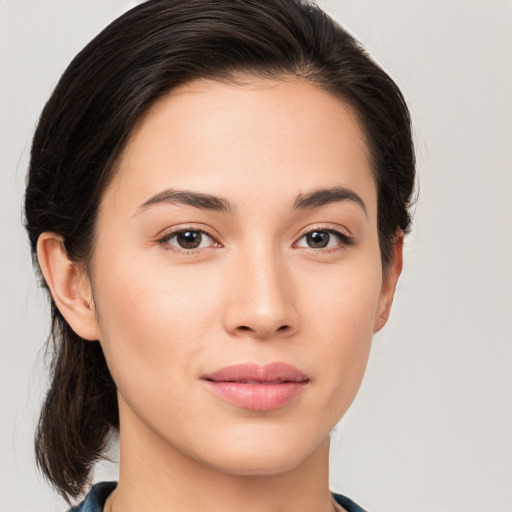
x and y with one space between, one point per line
164 240
344 240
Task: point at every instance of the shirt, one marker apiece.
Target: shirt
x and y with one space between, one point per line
95 500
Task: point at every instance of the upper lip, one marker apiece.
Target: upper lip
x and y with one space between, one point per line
273 373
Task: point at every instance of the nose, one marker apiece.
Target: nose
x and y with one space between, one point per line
261 295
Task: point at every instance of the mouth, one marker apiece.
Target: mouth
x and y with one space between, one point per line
259 388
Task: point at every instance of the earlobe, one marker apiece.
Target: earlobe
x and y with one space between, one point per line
389 282
69 286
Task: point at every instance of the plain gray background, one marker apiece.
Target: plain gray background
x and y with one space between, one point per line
431 429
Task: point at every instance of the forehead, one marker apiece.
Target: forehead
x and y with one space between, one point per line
253 137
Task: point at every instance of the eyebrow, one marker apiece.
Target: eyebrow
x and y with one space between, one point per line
325 196
186 197
314 199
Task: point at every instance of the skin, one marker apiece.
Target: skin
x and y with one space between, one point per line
254 291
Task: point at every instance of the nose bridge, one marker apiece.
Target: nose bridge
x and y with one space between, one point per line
261 295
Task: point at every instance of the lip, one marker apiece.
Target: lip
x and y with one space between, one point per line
255 387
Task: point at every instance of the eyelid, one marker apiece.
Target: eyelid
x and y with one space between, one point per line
346 238
167 234
343 231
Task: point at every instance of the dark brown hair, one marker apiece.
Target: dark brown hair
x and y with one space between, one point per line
84 126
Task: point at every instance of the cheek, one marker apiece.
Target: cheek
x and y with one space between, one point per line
153 320
343 313
345 297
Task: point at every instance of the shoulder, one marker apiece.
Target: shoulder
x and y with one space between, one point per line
95 499
347 503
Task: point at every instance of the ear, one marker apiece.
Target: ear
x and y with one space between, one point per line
69 285
389 281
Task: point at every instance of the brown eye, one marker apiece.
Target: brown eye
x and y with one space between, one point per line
188 239
324 239
318 239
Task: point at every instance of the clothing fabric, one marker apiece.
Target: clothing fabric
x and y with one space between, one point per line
95 500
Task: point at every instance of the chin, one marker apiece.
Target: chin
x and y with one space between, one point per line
262 455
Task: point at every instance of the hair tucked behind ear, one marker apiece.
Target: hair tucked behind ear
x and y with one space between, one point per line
83 128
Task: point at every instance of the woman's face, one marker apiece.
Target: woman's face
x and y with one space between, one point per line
237 274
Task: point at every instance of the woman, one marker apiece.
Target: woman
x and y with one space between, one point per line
217 198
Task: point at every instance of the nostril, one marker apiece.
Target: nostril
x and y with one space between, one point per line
262 331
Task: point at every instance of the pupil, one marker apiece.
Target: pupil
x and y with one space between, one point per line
189 239
318 239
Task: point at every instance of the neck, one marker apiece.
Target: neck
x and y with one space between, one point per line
158 477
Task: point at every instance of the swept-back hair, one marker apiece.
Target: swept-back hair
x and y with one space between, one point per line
84 126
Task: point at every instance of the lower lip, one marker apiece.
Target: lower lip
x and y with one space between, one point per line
257 397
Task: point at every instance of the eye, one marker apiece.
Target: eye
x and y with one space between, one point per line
324 239
186 240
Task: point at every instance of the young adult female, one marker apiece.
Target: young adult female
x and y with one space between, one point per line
217 197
